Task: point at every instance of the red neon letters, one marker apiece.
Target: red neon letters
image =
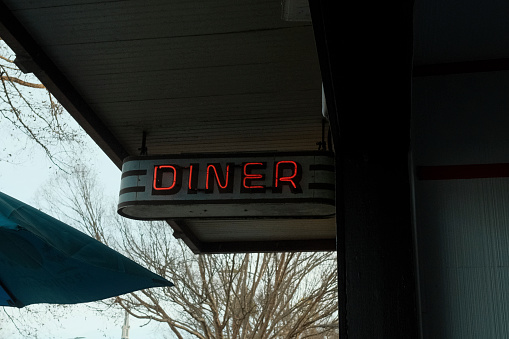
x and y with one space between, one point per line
280 178
221 178
158 170
224 181
167 179
252 182
287 173
248 177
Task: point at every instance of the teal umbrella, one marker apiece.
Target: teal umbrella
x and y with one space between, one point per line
43 260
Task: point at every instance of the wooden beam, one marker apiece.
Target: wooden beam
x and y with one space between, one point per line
365 52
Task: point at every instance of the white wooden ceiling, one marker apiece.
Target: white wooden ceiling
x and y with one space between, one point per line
197 76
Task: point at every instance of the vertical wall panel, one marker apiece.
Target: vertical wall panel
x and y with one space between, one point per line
464 257
462 224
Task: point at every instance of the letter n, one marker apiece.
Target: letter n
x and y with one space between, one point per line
223 178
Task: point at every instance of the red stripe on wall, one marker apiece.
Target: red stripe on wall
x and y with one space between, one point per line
463 172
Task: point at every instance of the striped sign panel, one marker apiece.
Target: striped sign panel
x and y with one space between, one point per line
242 185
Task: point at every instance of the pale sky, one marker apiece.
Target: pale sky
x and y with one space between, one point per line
22 181
23 171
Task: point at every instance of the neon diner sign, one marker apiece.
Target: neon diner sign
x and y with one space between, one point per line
281 185
285 172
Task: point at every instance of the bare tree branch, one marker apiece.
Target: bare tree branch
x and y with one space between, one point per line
5 59
21 82
25 109
234 296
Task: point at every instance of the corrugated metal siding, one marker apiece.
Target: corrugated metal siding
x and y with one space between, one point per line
463 225
464 257
447 31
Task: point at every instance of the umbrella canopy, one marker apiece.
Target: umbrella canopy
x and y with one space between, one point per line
43 260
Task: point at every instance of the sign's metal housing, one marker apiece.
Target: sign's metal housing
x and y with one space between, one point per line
256 219
242 185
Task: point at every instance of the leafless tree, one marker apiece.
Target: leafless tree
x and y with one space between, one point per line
31 113
230 296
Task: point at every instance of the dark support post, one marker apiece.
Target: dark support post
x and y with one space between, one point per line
365 52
